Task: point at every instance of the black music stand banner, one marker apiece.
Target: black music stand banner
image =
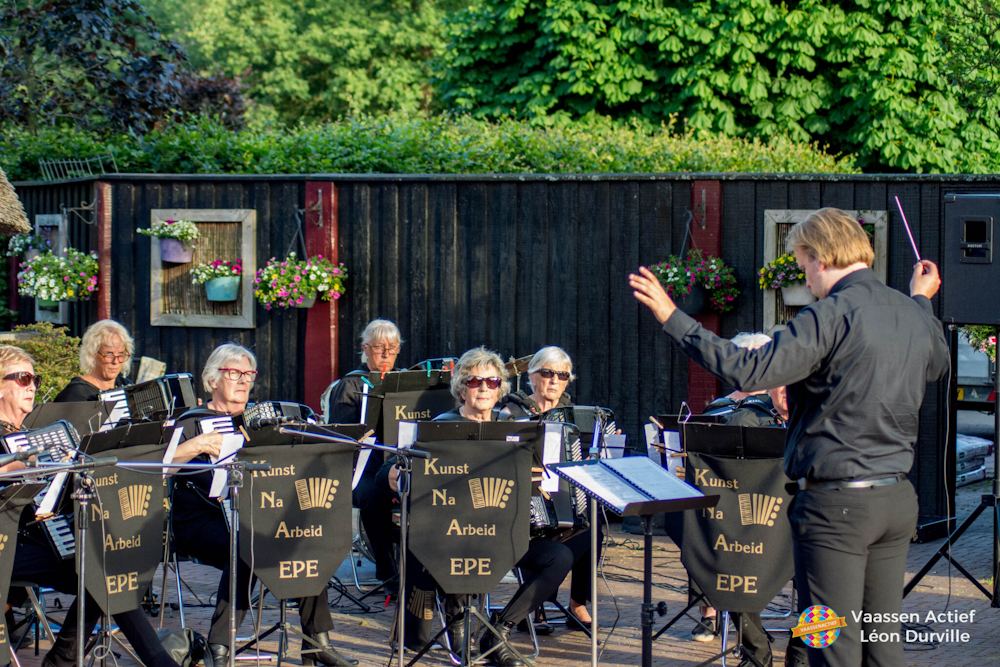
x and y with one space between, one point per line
125 533
406 395
14 501
740 552
295 519
470 502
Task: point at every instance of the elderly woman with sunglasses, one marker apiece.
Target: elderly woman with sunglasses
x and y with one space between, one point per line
105 358
199 525
35 560
478 382
550 371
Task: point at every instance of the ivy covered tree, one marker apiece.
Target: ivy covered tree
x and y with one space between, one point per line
88 63
869 77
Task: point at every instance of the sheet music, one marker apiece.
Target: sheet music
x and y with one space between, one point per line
406 435
222 424
552 444
606 485
48 505
230 445
118 412
614 446
652 479
175 439
363 456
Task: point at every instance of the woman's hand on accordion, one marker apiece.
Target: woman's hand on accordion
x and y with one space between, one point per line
209 444
14 466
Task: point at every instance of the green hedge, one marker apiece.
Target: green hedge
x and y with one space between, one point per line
418 145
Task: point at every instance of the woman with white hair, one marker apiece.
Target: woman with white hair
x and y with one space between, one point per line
380 344
549 372
199 525
105 359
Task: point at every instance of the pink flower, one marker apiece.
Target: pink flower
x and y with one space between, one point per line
298 279
300 300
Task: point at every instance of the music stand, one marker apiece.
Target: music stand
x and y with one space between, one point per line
631 486
85 416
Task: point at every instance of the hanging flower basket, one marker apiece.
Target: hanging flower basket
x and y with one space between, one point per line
175 252
294 283
51 277
221 279
680 276
176 237
692 303
797 295
48 303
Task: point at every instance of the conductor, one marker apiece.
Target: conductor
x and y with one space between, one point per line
856 363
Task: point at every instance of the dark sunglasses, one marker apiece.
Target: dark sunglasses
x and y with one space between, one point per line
547 373
24 378
474 381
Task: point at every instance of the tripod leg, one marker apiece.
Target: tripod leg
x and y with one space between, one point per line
943 550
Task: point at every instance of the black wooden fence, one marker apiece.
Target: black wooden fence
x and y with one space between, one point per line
510 262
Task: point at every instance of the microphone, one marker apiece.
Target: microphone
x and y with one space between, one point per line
22 455
257 423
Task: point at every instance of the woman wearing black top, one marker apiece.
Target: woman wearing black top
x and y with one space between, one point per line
478 382
199 525
105 358
35 560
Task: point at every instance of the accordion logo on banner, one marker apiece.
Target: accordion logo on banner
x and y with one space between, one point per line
739 553
125 532
295 519
470 510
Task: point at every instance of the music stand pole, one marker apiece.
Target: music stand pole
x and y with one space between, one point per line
405 466
83 492
594 518
235 482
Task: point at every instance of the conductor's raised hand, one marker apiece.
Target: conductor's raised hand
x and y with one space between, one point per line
925 280
648 290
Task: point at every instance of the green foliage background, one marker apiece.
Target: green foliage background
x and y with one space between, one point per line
875 78
56 355
398 143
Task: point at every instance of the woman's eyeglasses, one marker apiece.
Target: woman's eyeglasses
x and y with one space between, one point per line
474 381
547 373
236 374
111 357
24 378
388 349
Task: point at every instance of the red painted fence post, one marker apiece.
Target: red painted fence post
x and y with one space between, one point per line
706 234
321 320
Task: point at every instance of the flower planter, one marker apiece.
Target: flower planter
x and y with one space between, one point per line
175 252
694 302
48 303
797 295
307 302
226 288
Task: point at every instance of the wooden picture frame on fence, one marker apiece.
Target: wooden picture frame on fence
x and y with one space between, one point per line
777 222
175 301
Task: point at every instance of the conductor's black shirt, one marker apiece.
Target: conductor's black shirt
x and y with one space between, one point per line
856 365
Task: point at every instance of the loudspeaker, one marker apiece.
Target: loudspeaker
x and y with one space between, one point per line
970 265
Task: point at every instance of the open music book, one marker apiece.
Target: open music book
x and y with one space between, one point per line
627 485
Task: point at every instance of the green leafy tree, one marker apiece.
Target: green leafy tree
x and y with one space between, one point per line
869 77
318 59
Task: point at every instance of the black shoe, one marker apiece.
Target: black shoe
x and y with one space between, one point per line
328 656
456 637
63 651
219 654
503 656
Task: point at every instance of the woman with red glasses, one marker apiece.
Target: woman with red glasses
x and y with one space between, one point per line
35 560
105 359
478 382
199 525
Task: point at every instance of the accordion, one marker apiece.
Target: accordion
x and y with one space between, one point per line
559 509
156 399
61 441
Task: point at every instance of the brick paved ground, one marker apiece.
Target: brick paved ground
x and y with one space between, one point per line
364 636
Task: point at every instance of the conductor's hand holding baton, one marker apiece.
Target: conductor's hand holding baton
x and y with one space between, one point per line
925 280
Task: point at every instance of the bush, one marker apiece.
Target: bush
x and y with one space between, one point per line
420 145
57 357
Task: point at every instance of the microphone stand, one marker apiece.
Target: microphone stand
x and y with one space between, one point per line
403 461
